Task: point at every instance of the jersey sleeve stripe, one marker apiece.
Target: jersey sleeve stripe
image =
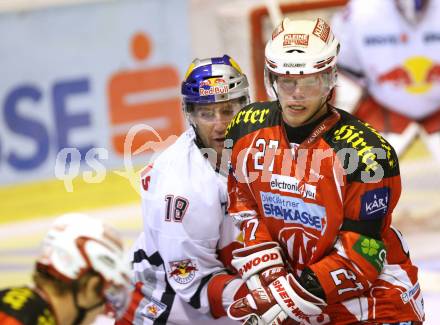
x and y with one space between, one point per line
195 299
168 299
140 255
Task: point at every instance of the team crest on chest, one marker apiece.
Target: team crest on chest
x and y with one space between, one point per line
183 271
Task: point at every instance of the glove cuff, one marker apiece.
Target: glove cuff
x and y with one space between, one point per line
215 293
291 302
252 260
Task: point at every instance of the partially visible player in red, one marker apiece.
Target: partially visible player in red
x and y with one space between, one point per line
391 49
80 271
313 190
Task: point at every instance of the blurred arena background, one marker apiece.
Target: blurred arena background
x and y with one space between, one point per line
79 74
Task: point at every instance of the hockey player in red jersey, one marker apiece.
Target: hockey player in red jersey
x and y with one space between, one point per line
80 270
313 190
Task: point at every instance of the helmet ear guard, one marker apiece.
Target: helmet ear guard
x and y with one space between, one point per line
77 244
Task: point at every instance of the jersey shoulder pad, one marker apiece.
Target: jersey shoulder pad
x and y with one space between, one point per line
357 142
253 117
168 161
25 305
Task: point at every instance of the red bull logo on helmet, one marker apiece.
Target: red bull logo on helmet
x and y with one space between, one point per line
416 75
213 86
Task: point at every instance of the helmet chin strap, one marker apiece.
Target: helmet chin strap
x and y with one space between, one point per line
81 311
198 139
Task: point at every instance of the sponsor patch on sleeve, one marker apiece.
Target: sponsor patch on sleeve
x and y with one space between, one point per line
374 203
372 250
153 309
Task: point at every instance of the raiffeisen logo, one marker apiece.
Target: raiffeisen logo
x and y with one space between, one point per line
416 75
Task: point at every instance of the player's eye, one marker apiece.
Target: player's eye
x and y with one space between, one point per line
206 114
229 111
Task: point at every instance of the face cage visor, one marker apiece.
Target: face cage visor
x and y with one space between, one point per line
305 86
216 112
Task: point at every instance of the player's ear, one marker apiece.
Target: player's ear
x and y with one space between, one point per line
91 288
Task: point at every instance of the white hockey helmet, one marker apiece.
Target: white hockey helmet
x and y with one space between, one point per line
412 10
300 47
77 244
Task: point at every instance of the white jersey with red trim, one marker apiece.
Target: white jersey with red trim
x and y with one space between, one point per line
401 62
187 238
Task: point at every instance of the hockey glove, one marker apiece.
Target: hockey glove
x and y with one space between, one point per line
294 300
257 308
259 265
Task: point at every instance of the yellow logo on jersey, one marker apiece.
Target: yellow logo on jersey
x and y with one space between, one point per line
353 136
419 68
46 319
17 297
251 115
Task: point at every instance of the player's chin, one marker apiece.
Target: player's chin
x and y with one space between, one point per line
295 118
218 144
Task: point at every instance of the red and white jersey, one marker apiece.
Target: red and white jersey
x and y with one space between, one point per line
187 238
328 202
401 62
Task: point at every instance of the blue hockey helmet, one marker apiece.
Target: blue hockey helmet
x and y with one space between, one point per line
213 80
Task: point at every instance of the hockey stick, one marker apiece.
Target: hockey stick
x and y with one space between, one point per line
275 13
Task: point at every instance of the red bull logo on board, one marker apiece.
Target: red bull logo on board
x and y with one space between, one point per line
416 75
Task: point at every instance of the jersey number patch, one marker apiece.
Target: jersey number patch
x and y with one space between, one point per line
175 208
260 155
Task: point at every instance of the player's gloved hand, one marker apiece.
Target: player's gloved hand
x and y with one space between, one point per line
262 267
294 300
257 308
259 265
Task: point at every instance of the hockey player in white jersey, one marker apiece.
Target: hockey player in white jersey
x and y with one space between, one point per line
181 259
392 48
